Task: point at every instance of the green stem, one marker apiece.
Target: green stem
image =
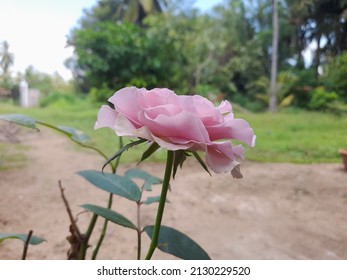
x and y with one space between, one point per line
85 241
103 231
26 245
109 205
139 231
165 187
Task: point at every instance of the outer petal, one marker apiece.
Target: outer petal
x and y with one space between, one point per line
239 152
173 145
233 129
242 131
124 127
106 117
221 157
127 101
225 107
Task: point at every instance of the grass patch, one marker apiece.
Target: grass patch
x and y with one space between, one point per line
292 136
299 137
12 156
82 117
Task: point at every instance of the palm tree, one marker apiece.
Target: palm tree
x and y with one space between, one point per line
7 58
273 96
139 9
133 11
320 21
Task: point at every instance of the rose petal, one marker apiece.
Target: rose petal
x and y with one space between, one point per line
225 107
233 129
182 126
124 127
242 131
167 143
158 97
106 117
221 157
201 108
127 101
169 110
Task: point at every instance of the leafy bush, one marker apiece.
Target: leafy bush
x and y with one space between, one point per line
335 74
59 99
254 105
100 94
321 99
306 81
208 91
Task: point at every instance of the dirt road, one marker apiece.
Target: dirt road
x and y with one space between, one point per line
277 211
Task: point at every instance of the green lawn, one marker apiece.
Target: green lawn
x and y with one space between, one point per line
293 136
298 136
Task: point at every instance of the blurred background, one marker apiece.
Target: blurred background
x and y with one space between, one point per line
282 64
286 56
222 48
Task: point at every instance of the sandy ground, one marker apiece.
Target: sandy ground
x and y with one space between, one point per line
277 211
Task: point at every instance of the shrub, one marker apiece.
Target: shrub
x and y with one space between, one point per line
334 76
100 94
59 99
322 99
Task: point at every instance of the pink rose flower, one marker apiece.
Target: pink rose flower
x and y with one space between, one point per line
179 122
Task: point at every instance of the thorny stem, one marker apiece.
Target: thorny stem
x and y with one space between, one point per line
26 245
139 230
165 187
109 205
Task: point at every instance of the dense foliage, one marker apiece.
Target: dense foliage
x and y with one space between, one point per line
222 53
226 52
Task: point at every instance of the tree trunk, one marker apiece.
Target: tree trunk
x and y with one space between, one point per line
274 58
318 53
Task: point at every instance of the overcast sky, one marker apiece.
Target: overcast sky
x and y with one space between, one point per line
36 31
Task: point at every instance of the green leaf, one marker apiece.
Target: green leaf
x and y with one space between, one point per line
30 122
152 199
176 243
20 120
34 240
148 178
202 163
179 158
122 150
74 134
109 215
112 183
152 149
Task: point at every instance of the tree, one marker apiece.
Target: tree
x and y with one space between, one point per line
46 83
111 54
7 58
117 11
323 22
274 58
6 61
96 65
